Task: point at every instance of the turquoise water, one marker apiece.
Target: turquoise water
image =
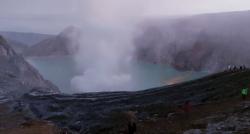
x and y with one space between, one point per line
60 70
150 75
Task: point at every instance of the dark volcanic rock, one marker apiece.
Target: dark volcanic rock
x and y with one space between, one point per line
17 76
99 112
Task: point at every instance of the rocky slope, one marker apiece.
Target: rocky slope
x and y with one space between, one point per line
60 45
18 47
155 109
17 76
200 42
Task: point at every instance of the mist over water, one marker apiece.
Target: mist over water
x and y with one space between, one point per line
105 52
143 75
104 60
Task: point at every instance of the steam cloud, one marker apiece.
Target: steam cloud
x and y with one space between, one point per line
105 52
104 55
104 62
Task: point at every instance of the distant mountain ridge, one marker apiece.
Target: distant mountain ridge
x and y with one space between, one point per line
28 39
60 45
199 42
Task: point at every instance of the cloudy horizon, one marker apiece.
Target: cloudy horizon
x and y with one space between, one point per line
51 16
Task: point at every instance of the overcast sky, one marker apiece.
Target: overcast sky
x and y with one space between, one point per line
51 16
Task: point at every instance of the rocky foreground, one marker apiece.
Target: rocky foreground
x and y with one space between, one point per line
31 105
217 108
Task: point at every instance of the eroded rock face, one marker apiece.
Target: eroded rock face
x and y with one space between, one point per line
17 76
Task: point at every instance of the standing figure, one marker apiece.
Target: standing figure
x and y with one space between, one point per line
131 127
244 93
131 122
187 107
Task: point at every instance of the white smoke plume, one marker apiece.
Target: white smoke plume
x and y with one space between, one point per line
104 55
105 51
103 60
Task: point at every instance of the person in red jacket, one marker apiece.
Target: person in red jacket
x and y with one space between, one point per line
187 107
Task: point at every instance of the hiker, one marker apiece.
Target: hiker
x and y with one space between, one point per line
131 122
244 67
131 127
229 68
244 93
234 68
241 68
187 107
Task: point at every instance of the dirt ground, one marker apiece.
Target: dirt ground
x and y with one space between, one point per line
15 123
179 121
